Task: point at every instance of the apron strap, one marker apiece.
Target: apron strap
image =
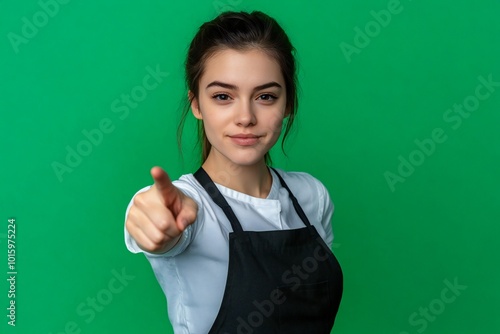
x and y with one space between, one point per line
296 205
217 197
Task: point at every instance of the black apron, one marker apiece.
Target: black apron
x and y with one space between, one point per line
279 281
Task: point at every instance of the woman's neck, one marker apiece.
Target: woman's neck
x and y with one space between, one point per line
254 180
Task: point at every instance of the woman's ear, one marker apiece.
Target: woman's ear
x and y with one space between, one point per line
195 106
287 112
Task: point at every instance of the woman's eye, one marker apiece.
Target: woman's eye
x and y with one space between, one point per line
221 97
267 97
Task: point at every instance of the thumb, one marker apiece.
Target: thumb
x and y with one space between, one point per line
188 213
164 185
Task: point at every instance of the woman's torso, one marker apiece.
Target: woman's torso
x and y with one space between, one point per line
193 274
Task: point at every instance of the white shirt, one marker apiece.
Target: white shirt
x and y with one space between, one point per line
193 273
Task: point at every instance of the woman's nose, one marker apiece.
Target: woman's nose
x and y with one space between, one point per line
245 114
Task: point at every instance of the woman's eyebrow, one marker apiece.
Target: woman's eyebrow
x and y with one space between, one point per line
234 87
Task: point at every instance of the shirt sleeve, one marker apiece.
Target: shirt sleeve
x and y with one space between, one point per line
325 212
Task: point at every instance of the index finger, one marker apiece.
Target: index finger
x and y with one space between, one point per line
163 183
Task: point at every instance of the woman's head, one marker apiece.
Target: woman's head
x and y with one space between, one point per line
244 33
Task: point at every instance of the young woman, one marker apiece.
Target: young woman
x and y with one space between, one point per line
238 246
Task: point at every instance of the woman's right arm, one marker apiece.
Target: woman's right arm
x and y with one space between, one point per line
158 216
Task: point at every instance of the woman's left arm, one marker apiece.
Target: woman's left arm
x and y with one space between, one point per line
325 211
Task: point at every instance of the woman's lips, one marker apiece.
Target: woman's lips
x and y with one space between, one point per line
245 139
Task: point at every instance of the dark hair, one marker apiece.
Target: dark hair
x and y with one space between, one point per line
239 31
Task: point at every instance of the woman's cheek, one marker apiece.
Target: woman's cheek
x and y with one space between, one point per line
275 124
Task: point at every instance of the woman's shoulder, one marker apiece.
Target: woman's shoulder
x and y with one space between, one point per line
301 180
314 199
308 189
188 184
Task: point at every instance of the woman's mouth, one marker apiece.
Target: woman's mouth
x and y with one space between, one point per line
244 139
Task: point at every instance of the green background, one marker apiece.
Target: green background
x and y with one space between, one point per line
359 115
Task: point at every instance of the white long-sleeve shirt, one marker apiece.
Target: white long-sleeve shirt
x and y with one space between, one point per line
193 273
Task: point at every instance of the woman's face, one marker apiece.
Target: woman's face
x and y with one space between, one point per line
242 102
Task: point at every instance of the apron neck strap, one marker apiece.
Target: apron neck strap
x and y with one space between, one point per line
217 197
295 203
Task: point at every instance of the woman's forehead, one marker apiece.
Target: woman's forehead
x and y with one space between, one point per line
245 69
